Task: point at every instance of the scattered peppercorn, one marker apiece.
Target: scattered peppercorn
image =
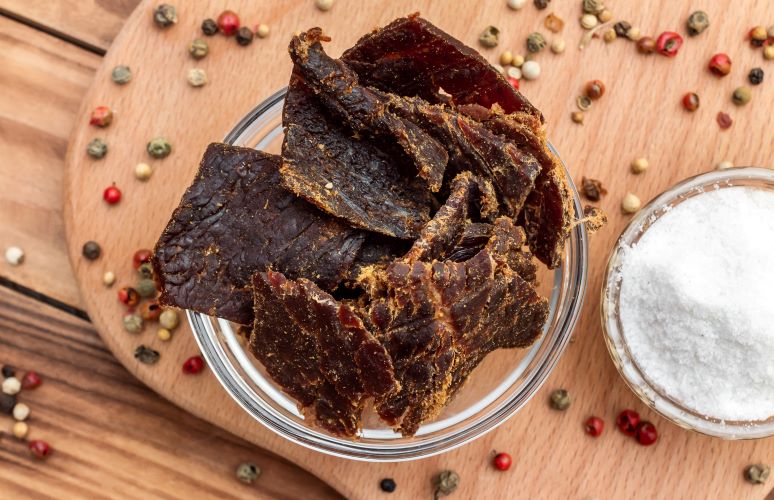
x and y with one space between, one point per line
577 117
770 31
128 296
583 102
262 30
143 171
193 365
111 195
506 58
594 426
724 120
593 189
8 371
512 80
502 461
724 165
755 76
691 101
159 148
91 250
756 473
247 472
145 270
197 77
165 15
21 412
101 116
20 430
558 45
11 386
758 35
589 21
14 256
768 52
198 48
741 96
697 23
609 35
560 399
640 165
646 433
146 288
145 354
163 334
646 45
489 37
518 61
140 257
553 23
634 34
627 422
541 4
593 6
169 319
622 28
516 4
209 27
7 402
387 485
605 16
669 43
39 449
595 89
630 203
31 380
324 5
228 22
244 36
535 42
132 323
97 148
121 74
720 65
445 483
530 70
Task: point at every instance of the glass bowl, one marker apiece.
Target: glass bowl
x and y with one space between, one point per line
650 393
501 385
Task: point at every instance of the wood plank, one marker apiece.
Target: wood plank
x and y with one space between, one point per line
42 82
112 436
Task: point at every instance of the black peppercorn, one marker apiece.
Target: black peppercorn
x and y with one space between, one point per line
209 27
8 371
7 402
622 28
244 36
542 4
387 485
91 250
145 270
145 354
755 76
165 15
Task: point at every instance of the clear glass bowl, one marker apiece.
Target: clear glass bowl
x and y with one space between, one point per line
650 393
500 386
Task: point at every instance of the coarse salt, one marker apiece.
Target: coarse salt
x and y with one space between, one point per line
697 303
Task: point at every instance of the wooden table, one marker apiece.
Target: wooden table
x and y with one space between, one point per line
113 437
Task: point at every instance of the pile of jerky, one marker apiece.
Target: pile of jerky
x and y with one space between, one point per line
390 247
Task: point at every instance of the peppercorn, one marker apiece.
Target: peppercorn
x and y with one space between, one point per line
755 76
553 23
541 4
627 422
535 42
324 5
20 430
589 21
593 6
669 43
609 35
502 461
646 45
247 472
197 77
758 35
518 61
768 52
646 433
595 89
724 165
756 473
770 31
128 296
697 23
141 256
31 380
91 250
163 334
132 323
8 371
121 75
244 36
14 256
111 195
101 116
560 399
209 27
7 402
506 58
577 117
262 30
630 203
39 449
145 354
165 15
21 412
724 120
530 70
558 46
145 270
605 16
516 4
720 65
583 102
143 171
198 48
594 426
169 319
640 165
228 22
11 386
445 483
741 96
691 101
146 288
622 28
159 148
193 365
97 148
387 485
513 73
489 37
514 83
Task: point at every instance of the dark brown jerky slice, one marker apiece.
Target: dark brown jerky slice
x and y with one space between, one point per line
236 219
473 238
349 177
411 57
365 112
319 351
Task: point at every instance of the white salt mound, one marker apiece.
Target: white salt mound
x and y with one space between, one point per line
697 303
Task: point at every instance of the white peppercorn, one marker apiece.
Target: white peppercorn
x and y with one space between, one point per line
143 171
20 430
640 165
11 386
262 31
169 319
14 255
516 4
558 46
324 5
531 70
21 412
630 203
108 278
589 21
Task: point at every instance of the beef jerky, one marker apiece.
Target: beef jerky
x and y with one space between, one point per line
236 219
411 57
318 351
338 89
473 238
349 177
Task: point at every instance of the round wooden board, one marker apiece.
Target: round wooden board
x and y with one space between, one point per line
640 115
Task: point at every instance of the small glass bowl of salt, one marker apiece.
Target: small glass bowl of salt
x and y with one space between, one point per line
688 303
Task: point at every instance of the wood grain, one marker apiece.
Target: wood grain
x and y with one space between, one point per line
640 116
113 437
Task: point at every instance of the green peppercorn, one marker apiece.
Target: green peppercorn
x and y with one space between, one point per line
445 483
209 27
741 96
159 148
244 36
560 400
121 75
165 15
247 472
197 77
593 6
757 473
198 48
756 76
145 354
132 323
535 42
697 23
97 148
91 250
489 37
146 288
145 270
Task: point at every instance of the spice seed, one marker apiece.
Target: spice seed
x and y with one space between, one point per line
8 371
39 449
128 296
627 422
605 16
244 36
146 355
228 22
553 23
691 101
387 485
20 430
209 27
11 386
697 23
724 120
108 278
594 426
583 102
589 21
502 461
646 433
755 76
445 483
14 256
720 65
516 4
165 15
646 44
21 412
262 30
169 319
577 117
541 4
640 165
634 34
759 34
149 310
560 399
164 334
197 77
193 365
247 472
143 171
756 473
489 37
558 46
513 73
91 250
609 35
630 203
595 89
593 6
506 58
31 380
159 148
724 165
132 323
768 52
518 61
97 148
741 96
622 28
198 48
324 5
593 189
7 403
530 70
121 75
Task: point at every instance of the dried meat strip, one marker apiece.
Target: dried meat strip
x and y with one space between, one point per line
236 219
411 57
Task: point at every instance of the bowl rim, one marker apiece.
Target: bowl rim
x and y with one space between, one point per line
650 393
575 274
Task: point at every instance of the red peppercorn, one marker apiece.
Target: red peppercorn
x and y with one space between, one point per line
627 422
691 101
150 310
39 449
193 365
720 65
646 433
724 120
502 461
141 257
228 22
112 195
594 426
101 116
669 43
30 380
514 82
129 296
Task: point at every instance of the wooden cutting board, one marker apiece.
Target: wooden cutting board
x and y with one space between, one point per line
640 115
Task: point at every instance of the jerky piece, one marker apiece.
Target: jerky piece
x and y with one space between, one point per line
473 238
345 176
411 57
337 87
236 219
318 351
